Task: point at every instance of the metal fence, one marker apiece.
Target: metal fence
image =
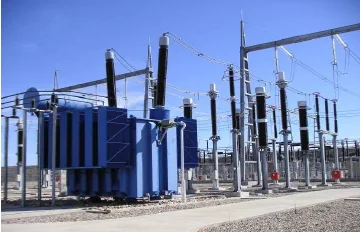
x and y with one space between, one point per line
350 169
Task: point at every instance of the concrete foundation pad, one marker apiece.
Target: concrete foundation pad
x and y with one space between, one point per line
289 189
244 186
192 191
244 183
276 185
307 187
264 191
217 189
338 183
241 194
257 185
324 185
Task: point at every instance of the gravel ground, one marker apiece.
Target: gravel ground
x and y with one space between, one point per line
333 216
123 209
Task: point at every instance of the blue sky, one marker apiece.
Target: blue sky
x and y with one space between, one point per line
72 36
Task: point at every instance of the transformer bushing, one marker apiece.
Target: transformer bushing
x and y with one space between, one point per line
188 112
321 141
282 83
162 71
304 138
213 95
110 78
235 133
263 136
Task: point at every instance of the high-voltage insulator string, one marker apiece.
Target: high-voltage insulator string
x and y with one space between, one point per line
316 73
213 94
327 123
263 136
304 138
347 49
194 50
282 83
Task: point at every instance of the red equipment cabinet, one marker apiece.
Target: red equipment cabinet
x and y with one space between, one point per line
275 176
336 174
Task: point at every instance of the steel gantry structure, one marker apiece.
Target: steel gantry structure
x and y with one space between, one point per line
245 89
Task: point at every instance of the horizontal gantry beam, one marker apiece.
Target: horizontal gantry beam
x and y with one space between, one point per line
302 38
102 81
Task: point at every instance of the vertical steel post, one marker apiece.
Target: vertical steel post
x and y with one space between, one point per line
40 118
6 148
183 187
275 161
53 165
23 174
322 156
236 163
242 102
147 83
336 151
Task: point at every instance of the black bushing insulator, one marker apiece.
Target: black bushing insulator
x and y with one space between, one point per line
254 119
304 133
263 141
20 138
13 112
238 121
335 119
327 123
233 114
53 98
231 80
275 127
213 116
161 76
110 79
187 112
17 101
262 124
47 106
284 119
317 112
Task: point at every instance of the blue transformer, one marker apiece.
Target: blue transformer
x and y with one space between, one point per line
191 158
106 153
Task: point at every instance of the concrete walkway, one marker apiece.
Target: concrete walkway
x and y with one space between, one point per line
12 213
192 219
